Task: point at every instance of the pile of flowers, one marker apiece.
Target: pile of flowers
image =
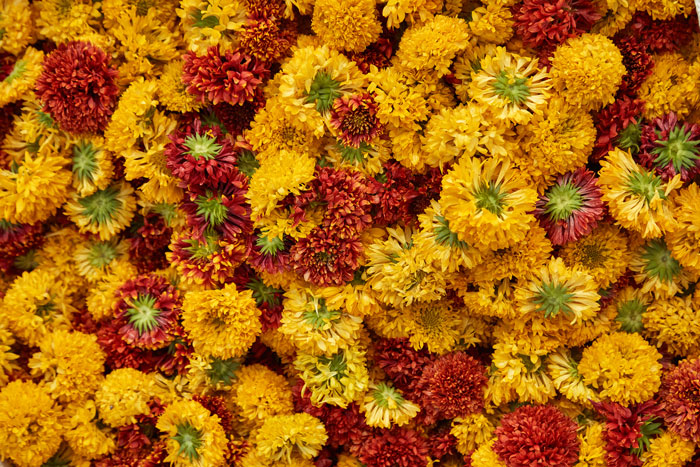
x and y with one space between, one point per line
354 233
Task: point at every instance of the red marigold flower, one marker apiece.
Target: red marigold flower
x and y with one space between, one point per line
659 36
571 208
217 406
680 394
324 258
269 301
537 435
401 362
454 384
201 155
270 255
119 354
77 87
670 147
265 8
638 63
17 240
176 356
82 321
397 195
547 23
221 208
441 442
147 308
397 447
618 126
234 77
267 38
376 54
237 118
149 243
355 117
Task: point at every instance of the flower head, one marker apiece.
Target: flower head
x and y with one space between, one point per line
400 447
325 258
105 212
283 436
346 25
548 23
261 393
385 406
124 395
355 118
670 147
337 379
684 240
679 393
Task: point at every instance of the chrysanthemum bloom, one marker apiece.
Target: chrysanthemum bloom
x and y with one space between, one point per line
630 304
231 77
261 393
563 369
77 87
268 38
679 395
547 23
657 271
70 364
324 258
194 436
338 379
8 359
385 406
19 26
452 133
512 87
283 436
664 10
399 361
16 241
674 325
22 76
221 323
669 88
105 212
618 125
147 308
399 103
346 25
492 22
637 61
429 48
34 189
172 92
604 254
355 119
669 450
400 447
623 367
201 156
636 198
454 384
148 244
587 71
539 435
212 23
571 208
92 165
30 424
96 258
487 203
684 240
659 36
670 147
123 395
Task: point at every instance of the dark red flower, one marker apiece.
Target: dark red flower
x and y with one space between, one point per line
397 195
441 442
680 395
236 449
270 255
454 385
17 240
217 406
547 23
355 117
401 362
571 208
149 242
234 77
397 447
638 63
237 118
265 8
119 354
82 321
659 36
324 258
670 147
269 301
376 54
176 356
77 87
537 435
268 38
618 126
201 155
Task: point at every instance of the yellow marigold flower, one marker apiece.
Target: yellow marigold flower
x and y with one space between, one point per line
628 308
34 189
399 103
7 357
311 80
587 70
563 370
283 436
637 199
665 9
452 133
684 239
603 254
535 334
668 450
315 326
592 452
431 46
21 79
34 131
669 88
616 15
172 92
123 395
511 86
412 11
467 63
556 141
91 165
30 424
435 325
113 9
384 406
407 148
97 259
82 434
36 304
673 323
492 23
221 323
211 22
518 377
17 23
100 296
339 379
70 364
471 432
657 271
133 118
288 173
260 393
105 212
485 457
52 257
349 25
63 21
346 460
486 203
193 436
209 374
623 367
490 298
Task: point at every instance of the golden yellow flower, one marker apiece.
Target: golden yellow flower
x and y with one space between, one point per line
684 239
34 131
384 406
91 165
66 20
592 452
466 64
435 325
669 88
172 92
518 377
665 9
17 23
132 120
83 435
100 296
113 9
563 370
260 393
657 271
283 436
485 457
471 431
339 379
492 23
399 103
411 11
7 357
105 212
211 22
452 133
349 25
673 323
208 375
123 395
668 450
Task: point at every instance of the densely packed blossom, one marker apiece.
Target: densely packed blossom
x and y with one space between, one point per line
354 233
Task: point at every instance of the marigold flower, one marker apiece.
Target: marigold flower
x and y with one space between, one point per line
659 36
19 27
211 23
385 406
124 395
670 147
661 95
260 393
324 258
148 244
674 325
400 447
355 118
268 38
680 407
21 76
657 271
346 25
547 23
563 369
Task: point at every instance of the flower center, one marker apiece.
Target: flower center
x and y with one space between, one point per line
512 88
645 184
630 137
202 146
101 254
563 201
659 262
593 255
490 197
358 122
324 90
323 257
101 205
678 149
190 439
320 317
84 160
202 250
553 298
387 397
44 309
269 246
430 318
444 236
629 315
223 371
212 209
143 314
354 155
